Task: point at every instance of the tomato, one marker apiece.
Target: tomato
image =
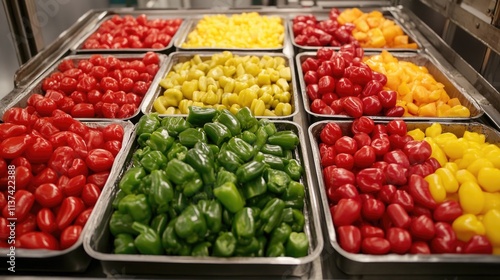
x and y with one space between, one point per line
38 240
346 212
364 157
99 160
69 236
90 194
46 220
400 240
349 238
375 246
83 110
346 144
362 124
48 195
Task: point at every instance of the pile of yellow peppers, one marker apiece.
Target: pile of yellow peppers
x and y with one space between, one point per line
227 81
246 30
418 92
373 30
469 174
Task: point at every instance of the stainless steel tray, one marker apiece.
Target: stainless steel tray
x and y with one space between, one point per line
19 96
439 72
78 46
98 243
193 22
74 258
363 264
386 11
178 57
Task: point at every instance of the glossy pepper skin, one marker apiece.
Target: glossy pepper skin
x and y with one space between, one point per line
199 115
277 180
132 179
230 121
160 140
148 242
228 159
202 163
272 161
137 206
172 243
148 124
286 139
121 223
124 244
272 213
245 117
225 244
191 136
250 170
217 132
162 191
244 225
241 148
174 125
191 224
179 172
294 169
254 187
297 245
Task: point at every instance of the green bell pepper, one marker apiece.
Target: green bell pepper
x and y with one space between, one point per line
260 201
175 125
172 244
131 180
294 169
143 139
250 171
249 249
243 225
275 250
212 211
154 160
201 249
229 120
124 244
137 206
179 203
297 245
241 148
191 225
274 150
138 154
119 195
228 159
148 123
202 163
159 223
224 176
148 241
254 187
261 138
193 186
145 185
217 132
179 171
177 151
160 140
161 192
207 149
262 246
272 214
268 126
227 218
191 136
247 120
230 197
280 234
249 137
121 223
294 195
287 139
198 116
277 180
224 245
298 220
274 162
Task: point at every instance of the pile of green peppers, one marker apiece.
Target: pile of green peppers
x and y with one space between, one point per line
211 184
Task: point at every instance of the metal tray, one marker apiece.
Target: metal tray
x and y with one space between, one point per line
193 22
78 46
386 12
19 96
74 258
436 69
177 57
98 243
357 264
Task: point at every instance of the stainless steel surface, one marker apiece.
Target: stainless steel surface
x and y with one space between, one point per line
357 264
78 47
74 258
19 96
386 11
179 57
440 73
8 60
98 243
191 26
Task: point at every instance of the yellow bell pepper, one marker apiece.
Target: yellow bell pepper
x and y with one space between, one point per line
471 197
488 179
466 226
448 179
416 134
491 201
434 130
436 187
491 221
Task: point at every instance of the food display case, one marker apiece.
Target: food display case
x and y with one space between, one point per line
274 78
